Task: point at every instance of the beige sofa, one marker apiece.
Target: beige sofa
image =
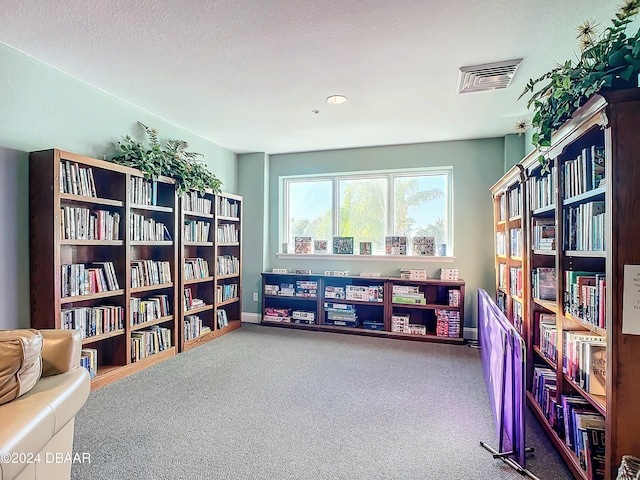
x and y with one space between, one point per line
36 429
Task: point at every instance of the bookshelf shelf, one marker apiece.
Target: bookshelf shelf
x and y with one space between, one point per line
228 301
198 214
198 280
203 308
151 208
103 196
151 288
103 336
228 219
90 200
226 277
93 296
157 321
198 244
149 243
597 147
551 363
95 243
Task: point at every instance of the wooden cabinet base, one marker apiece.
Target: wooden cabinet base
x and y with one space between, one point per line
364 331
194 342
111 374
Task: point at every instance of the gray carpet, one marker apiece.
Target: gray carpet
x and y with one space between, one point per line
273 403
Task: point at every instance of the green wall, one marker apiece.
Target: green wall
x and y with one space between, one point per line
43 108
477 165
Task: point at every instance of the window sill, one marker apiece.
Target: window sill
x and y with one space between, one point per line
376 258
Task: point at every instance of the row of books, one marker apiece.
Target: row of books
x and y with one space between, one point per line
150 272
145 343
89 360
544 283
454 297
195 268
412 274
77 180
447 323
149 309
449 274
194 202
585 172
585 227
79 223
227 265
196 231
515 281
191 302
143 191
194 327
79 279
542 190
518 318
228 233
548 335
92 321
408 295
227 207
584 360
574 419
502 276
502 208
221 318
147 229
585 296
501 243
226 292
543 235
515 202
394 245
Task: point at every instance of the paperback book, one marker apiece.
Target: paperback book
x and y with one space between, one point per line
303 245
320 246
343 245
395 245
424 246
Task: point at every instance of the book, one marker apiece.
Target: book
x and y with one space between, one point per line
424 246
303 245
365 248
595 453
343 245
320 246
395 245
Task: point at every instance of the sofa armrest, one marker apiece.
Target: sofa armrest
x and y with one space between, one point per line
60 351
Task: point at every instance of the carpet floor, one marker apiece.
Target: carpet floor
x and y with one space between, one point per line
273 403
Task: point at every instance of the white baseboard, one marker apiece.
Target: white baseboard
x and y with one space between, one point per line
249 317
471 333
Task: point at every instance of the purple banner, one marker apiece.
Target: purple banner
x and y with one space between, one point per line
502 351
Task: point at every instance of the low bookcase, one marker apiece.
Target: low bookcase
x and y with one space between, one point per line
425 310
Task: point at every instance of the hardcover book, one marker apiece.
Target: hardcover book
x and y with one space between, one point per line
343 245
303 245
424 246
395 245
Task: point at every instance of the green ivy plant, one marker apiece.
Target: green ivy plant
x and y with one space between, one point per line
170 160
607 59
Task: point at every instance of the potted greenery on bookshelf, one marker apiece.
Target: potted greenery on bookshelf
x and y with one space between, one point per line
171 160
609 59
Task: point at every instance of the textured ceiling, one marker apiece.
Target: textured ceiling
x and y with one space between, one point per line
247 75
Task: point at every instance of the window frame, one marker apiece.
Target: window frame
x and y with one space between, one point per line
390 176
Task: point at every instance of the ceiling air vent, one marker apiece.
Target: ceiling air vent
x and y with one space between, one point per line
488 76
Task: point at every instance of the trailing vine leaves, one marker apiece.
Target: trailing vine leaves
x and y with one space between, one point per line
171 160
610 59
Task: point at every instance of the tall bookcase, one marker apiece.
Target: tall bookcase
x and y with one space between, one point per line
581 229
103 259
511 282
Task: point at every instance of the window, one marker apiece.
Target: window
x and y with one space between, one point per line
369 207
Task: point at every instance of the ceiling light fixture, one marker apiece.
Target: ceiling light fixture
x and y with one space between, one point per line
336 99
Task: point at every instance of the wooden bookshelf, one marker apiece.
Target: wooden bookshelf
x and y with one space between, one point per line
369 310
198 211
81 213
596 232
